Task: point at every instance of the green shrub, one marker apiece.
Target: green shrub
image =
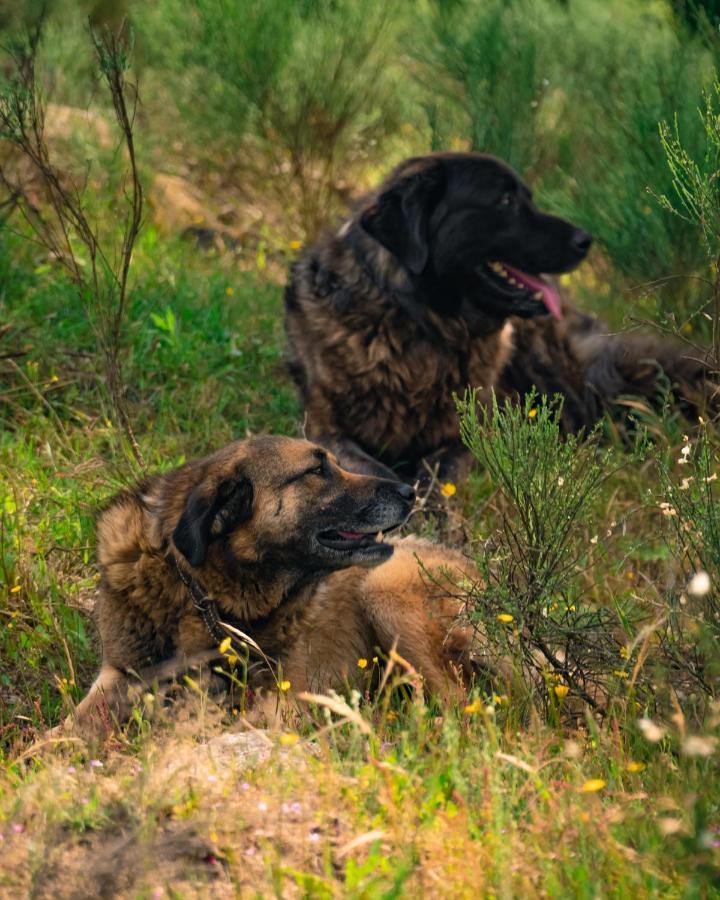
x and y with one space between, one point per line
533 601
571 95
690 506
295 92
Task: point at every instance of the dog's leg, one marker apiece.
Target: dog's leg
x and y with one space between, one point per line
402 621
105 704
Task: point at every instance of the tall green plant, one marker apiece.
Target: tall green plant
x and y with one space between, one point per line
695 197
310 85
533 600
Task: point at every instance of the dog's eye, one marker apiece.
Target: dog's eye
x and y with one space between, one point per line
506 200
320 469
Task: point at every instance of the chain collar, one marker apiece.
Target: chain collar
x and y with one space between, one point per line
204 604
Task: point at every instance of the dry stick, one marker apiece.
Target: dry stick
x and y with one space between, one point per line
23 118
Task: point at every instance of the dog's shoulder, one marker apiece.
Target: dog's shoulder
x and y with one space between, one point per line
126 531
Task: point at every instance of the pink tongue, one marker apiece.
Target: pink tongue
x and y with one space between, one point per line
550 296
351 535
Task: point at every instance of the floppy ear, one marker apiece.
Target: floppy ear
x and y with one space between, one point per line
205 519
399 218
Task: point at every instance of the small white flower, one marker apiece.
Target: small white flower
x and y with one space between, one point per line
560 481
699 584
695 745
650 731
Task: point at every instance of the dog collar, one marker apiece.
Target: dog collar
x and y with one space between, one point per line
203 603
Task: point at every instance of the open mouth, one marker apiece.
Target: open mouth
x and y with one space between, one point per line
354 541
518 286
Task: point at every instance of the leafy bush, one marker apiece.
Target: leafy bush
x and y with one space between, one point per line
494 56
571 95
533 598
312 84
690 505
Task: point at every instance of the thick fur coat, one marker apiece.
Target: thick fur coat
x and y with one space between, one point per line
434 283
289 547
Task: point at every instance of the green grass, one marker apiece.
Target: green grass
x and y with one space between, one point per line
444 812
492 800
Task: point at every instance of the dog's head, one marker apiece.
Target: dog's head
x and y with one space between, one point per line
468 221
275 501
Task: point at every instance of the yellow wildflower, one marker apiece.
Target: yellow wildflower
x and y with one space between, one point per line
16 589
225 645
289 740
624 653
362 663
231 659
229 291
533 412
284 686
54 378
473 707
593 785
448 489
634 767
505 618
375 659
561 691
295 245
619 673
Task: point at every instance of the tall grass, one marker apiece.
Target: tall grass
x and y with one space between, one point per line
296 91
571 95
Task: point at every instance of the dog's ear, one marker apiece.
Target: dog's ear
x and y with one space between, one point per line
208 517
399 218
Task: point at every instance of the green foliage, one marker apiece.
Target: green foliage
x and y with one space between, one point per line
696 185
571 95
690 506
312 82
533 599
494 56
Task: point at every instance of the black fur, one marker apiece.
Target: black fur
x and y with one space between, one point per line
205 519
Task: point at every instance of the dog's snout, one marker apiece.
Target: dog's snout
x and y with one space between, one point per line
581 241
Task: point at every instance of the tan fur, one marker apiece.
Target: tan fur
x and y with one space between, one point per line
314 621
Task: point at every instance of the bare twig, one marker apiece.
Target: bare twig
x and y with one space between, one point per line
66 229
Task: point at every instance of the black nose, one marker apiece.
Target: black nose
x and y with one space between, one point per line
406 491
581 241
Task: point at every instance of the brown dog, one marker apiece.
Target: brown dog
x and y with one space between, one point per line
433 284
272 536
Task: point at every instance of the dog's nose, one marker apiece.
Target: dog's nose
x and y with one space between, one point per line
581 241
406 491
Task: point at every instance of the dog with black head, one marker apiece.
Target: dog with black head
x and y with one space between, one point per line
270 536
435 282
